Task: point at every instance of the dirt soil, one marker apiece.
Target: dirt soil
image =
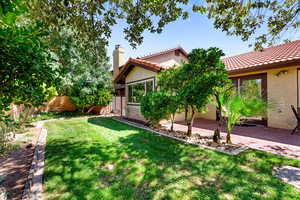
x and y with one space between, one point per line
15 165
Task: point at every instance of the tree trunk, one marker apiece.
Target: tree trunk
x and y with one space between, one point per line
189 131
28 112
190 123
216 136
186 113
228 136
220 118
172 123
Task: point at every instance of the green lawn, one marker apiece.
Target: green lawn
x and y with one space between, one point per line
99 158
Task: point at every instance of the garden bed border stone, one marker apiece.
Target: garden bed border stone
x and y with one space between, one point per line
233 152
34 186
289 175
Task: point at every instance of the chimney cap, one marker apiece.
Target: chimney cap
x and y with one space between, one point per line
118 46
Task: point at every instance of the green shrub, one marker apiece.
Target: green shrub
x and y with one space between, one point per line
6 127
153 106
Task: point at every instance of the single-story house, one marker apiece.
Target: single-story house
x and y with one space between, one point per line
274 72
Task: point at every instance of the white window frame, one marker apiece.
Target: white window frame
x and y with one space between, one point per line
145 88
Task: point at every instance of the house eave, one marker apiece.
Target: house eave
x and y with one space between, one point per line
258 68
120 79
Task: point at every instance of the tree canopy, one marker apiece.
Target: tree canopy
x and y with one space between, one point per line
94 19
193 82
266 21
27 73
154 106
263 21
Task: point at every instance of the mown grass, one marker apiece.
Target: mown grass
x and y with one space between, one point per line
99 158
54 115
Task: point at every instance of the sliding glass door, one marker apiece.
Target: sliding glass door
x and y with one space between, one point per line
253 85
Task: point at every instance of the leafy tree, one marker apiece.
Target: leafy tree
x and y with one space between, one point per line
172 107
86 74
166 79
77 55
28 75
268 21
168 82
26 70
94 19
153 106
83 64
90 89
193 82
198 78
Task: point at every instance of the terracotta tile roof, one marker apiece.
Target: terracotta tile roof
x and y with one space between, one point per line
283 53
134 61
163 52
154 66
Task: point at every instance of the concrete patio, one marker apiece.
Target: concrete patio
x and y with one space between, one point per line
273 140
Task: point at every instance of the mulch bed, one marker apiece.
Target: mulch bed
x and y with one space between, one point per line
15 166
196 139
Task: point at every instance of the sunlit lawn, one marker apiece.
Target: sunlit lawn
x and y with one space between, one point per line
99 158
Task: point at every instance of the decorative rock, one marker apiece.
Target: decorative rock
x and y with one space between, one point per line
3 195
34 186
289 174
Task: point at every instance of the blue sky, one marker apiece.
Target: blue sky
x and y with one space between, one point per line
195 32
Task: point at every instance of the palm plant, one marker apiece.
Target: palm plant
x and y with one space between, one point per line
220 95
235 106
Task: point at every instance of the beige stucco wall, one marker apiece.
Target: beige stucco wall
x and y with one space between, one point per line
136 74
167 60
139 73
210 113
134 112
282 93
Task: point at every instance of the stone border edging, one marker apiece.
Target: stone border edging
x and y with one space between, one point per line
34 186
288 174
234 152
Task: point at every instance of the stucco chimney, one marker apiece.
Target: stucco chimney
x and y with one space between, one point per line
118 58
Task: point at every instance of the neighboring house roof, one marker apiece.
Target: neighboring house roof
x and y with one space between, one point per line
151 55
125 69
287 54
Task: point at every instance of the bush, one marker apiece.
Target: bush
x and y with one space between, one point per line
91 96
6 128
153 106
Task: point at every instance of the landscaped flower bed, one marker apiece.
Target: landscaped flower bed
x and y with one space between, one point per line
196 139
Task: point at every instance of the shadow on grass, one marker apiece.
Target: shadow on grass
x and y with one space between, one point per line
143 165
